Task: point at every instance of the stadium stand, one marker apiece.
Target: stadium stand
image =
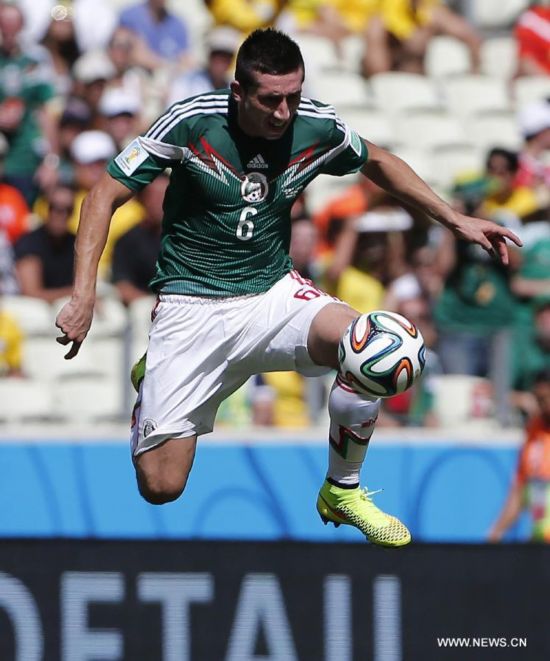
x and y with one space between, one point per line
427 129
499 57
530 88
446 56
370 122
459 399
25 400
395 91
88 399
447 161
33 315
139 313
491 128
351 53
469 93
347 89
496 14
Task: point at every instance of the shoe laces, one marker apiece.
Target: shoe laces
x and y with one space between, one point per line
365 496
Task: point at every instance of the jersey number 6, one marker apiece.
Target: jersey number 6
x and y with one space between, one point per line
245 228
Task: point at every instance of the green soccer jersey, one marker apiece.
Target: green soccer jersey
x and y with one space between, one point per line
226 227
24 83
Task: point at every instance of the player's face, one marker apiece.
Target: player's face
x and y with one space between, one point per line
267 108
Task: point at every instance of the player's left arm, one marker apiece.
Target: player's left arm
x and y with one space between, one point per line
397 178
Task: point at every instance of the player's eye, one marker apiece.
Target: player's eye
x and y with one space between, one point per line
271 101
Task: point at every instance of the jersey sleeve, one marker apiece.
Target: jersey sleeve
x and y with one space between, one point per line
150 154
349 151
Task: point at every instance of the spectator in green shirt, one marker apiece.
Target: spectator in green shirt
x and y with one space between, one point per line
32 160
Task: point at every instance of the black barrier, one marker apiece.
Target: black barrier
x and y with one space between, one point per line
69 600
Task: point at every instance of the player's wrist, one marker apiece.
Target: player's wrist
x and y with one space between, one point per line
84 298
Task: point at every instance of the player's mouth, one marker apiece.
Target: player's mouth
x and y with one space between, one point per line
277 126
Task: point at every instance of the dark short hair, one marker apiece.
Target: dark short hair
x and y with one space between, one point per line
267 51
510 157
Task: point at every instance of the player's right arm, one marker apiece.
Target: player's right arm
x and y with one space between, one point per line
75 318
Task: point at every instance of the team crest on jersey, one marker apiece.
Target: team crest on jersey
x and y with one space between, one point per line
254 188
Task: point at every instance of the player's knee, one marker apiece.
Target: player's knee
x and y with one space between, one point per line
157 488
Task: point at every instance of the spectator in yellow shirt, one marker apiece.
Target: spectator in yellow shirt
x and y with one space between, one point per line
245 15
505 198
398 37
11 339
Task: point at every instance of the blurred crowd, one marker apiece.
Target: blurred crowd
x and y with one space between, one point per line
78 80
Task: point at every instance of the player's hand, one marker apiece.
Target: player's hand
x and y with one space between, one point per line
487 234
74 321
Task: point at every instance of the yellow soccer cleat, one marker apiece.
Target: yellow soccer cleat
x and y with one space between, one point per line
138 372
354 507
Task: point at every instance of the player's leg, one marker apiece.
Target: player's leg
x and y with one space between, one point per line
178 381
162 472
352 419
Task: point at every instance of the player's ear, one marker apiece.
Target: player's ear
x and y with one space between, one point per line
237 90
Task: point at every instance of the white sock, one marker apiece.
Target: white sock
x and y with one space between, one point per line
352 419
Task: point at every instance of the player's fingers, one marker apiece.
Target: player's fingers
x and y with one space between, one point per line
501 249
73 350
504 231
485 243
63 339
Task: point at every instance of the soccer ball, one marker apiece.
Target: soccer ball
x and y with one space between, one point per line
381 354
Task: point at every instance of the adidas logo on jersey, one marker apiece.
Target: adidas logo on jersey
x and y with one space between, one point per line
257 162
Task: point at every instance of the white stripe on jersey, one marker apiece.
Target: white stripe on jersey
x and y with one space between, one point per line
156 146
192 113
174 118
176 110
198 101
316 115
536 24
307 104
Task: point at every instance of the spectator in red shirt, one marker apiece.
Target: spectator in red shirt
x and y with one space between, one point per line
532 34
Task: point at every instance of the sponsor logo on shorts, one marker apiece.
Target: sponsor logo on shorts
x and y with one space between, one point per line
132 157
254 188
149 427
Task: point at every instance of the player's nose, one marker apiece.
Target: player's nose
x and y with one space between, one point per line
283 111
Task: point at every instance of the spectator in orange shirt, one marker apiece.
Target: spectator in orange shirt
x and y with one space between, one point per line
14 211
531 487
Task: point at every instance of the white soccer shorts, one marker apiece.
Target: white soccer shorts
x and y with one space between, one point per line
203 349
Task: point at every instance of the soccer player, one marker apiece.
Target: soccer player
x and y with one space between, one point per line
229 303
